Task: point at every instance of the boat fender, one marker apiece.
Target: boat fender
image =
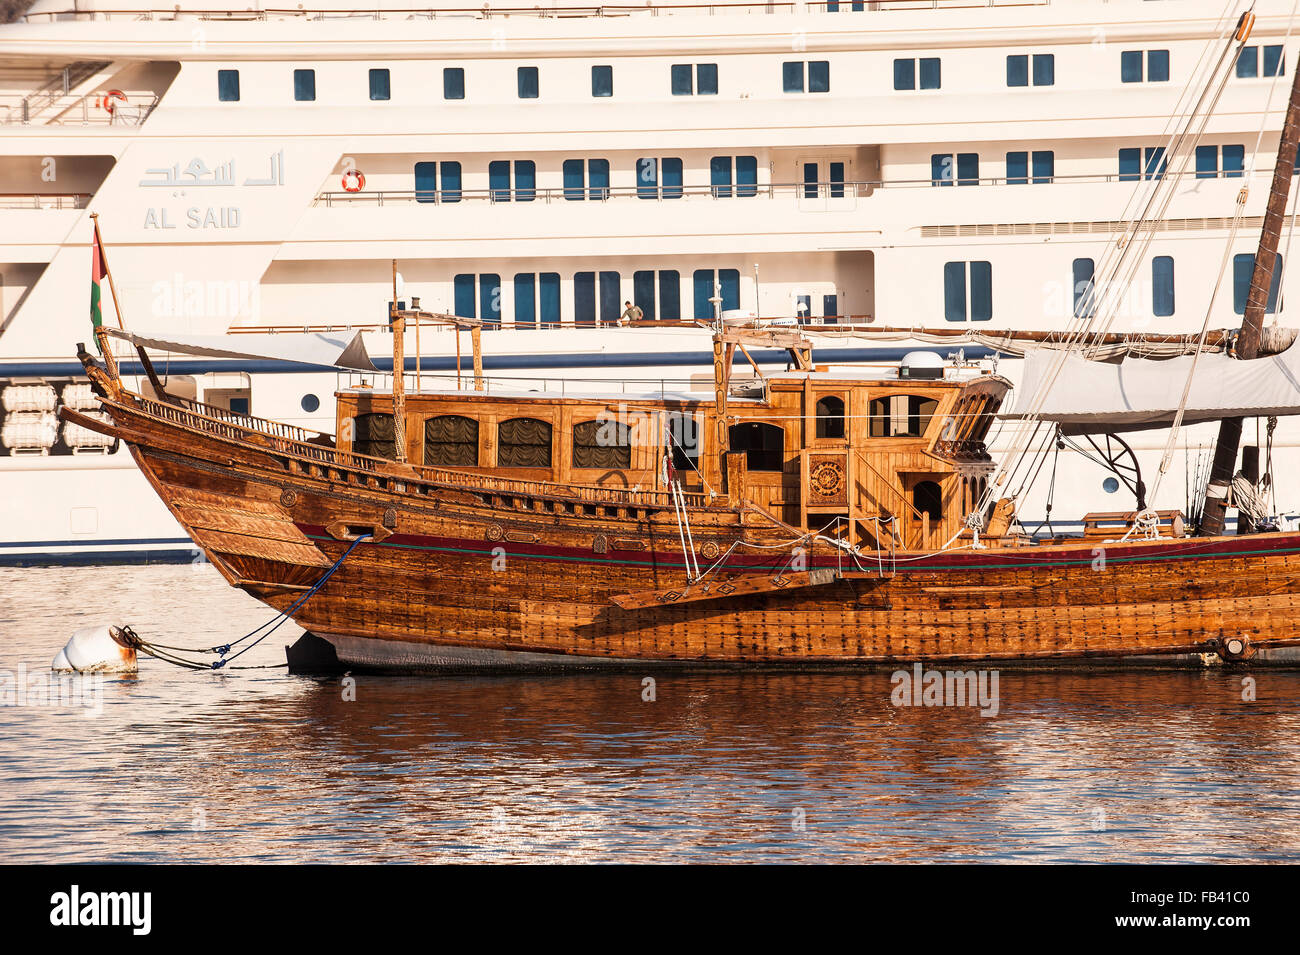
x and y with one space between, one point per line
100 649
354 180
1233 649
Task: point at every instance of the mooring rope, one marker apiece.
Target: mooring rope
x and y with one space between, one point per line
168 654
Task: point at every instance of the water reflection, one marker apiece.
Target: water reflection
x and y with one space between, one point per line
258 765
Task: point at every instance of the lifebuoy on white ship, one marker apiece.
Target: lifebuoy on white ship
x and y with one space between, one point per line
108 102
354 180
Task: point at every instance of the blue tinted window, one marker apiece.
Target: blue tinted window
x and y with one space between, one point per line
837 180
1130 66
380 86
941 169
1248 61
525 299
426 181
1017 168
1044 165
610 308
672 173
803 307
1234 161
1085 304
703 284
647 178
1157 66
981 291
525 180
1207 162
1155 162
819 76
830 308
730 281
1044 69
602 81
450 182
228 86
598 178
681 79
463 286
584 298
489 299
1018 70
304 85
670 295
954 291
527 82
810 180
499 180
453 83
550 298
1242 267
720 176
643 293
746 175
1130 164
905 74
930 78
1162 285
968 169
1273 63
706 79
792 77
574 179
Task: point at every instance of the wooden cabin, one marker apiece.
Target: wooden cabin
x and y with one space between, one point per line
889 460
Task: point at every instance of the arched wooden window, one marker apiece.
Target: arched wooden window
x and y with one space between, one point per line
451 441
683 438
927 497
830 417
524 443
900 416
763 444
373 435
602 444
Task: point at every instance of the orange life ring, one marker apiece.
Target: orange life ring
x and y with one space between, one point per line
354 180
106 101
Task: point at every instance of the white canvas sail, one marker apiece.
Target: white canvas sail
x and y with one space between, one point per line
337 350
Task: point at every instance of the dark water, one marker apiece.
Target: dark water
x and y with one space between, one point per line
257 765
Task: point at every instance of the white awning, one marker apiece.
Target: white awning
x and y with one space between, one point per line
1138 394
338 350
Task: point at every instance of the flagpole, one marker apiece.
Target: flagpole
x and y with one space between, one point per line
112 288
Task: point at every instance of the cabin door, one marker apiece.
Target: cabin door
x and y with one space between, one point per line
925 522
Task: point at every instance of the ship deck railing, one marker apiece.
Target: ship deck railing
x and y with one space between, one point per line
318 460
488 11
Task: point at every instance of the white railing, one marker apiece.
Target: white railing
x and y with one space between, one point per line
13 200
81 111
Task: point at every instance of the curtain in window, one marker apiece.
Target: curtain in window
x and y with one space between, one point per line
374 435
601 444
451 441
524 443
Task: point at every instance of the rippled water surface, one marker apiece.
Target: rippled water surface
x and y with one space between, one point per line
258 765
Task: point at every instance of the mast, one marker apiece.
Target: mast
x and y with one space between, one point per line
1215 512
398 322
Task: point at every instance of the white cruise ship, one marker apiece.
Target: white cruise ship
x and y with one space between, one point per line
259 169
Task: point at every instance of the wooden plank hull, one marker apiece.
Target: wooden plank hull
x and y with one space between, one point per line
467 578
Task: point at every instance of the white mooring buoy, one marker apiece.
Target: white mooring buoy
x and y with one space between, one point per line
96 650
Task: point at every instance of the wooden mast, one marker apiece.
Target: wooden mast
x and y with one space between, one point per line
1215 512
398 322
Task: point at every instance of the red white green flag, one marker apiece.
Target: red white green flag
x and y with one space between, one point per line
98 272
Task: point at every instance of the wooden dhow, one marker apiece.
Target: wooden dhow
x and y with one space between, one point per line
807 518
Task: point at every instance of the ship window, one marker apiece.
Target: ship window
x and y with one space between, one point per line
524 443
648 184
1157 66
927 497
930 73
228 86
610 288
1044 72
453 83
304 85
706 79
527 81
602 81
1132 168
704 281
905 74
373 435
451 441
683 83
489 297
746 176
1085 301
643 293
1162 285
1274 64
763 444
830 309
602 444
1018 70
830 417
596 172
584 298
683 437
380 85
310 403
1044 69
463 296
900 416
792 76
1242 267
955 287
965 166
819 76
534 290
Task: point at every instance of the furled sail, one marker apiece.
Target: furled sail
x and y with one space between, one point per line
1139 394
337 350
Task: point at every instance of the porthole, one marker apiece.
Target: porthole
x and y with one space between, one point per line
310 403
1110 485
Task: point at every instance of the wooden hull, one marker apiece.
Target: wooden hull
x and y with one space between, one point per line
467 577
